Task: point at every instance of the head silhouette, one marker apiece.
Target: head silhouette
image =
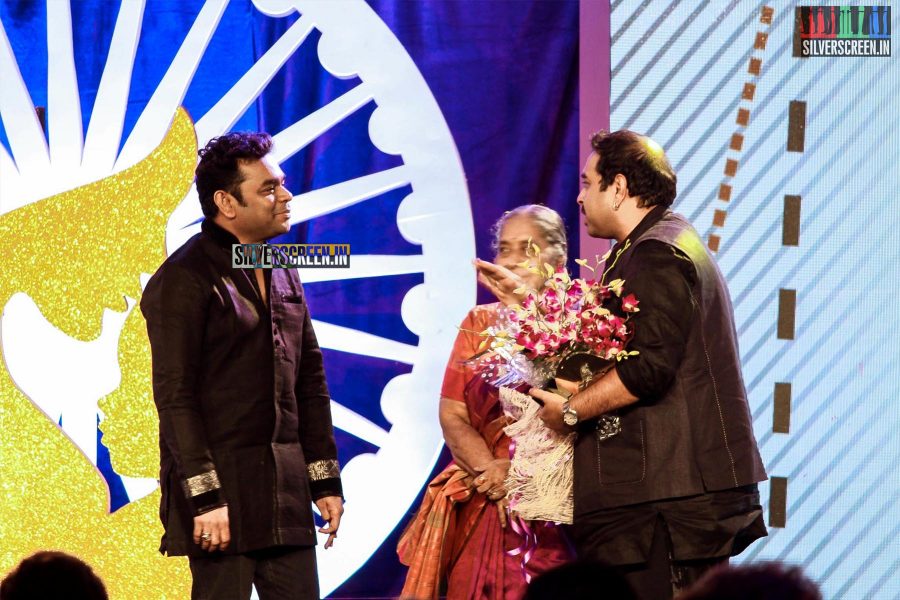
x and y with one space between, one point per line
52 576
764 581
580 580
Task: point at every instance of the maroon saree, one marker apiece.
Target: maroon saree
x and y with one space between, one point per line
456 535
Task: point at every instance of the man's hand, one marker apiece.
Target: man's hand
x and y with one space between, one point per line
500 281
211 530
331 508
551 412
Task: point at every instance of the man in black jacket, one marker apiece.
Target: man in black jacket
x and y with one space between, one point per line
246 439
666 464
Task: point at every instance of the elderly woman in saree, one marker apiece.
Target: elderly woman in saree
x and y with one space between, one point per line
463 536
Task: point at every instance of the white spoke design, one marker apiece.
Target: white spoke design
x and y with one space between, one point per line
26 138
151 126
304 207
297 136
347 193
64 121
108 116
355 424
9 183
228 110
353 341
367 265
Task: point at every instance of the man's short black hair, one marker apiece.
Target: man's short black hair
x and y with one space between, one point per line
219 160
52 576
640 160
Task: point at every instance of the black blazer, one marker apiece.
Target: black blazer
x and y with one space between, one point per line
244 409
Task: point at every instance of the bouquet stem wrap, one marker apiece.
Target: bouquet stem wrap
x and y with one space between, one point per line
539 483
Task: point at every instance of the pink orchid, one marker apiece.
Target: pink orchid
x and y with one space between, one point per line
630 303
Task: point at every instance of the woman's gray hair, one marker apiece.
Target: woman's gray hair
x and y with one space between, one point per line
548 222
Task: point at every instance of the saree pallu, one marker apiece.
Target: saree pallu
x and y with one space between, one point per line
456 535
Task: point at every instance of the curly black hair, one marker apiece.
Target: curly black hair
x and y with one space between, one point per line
218 167
641 161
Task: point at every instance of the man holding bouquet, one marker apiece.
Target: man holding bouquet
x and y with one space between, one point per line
666 484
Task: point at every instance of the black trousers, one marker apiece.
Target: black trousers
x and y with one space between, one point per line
283 573
659 578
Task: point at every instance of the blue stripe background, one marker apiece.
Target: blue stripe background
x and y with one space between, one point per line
678 72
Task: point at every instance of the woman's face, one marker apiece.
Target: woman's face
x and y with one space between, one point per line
513 246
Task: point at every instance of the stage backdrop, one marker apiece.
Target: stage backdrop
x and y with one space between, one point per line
405 130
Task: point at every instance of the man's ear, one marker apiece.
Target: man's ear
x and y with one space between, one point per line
621 187
226 203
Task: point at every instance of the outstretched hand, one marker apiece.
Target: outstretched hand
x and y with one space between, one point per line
500 281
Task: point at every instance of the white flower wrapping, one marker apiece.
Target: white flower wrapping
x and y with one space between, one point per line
539 483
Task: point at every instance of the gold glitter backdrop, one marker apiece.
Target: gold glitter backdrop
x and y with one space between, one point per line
78 253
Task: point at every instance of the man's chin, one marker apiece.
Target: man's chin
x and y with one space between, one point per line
599 233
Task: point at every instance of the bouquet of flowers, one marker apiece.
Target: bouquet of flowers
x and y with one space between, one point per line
571 329
537 340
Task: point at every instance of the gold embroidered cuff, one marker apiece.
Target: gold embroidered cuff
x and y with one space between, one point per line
323 469
201 484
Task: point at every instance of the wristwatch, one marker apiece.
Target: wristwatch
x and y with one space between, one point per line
569 414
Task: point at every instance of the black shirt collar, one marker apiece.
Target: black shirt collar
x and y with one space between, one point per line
650 219
219 235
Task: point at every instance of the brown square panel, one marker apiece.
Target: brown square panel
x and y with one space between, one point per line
787 308
719 218
761 39
790 223
755 66
748 92
796 126
743 117
781 414
766 15
731 166
713 243
737 142
778 502
725 192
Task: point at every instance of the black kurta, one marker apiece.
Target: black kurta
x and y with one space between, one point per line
244 410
